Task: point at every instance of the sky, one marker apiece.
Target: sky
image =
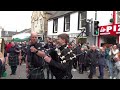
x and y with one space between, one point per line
15 20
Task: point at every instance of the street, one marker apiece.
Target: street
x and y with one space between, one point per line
21 74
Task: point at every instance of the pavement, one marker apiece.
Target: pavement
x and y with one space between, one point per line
21 74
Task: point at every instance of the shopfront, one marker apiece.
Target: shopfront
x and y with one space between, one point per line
109 34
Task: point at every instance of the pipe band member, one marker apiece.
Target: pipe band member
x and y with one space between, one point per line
13 58
60 61
34 60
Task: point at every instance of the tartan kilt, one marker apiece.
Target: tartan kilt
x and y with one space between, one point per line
13 60
36 74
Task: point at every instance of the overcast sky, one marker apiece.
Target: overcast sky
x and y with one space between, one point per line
15 20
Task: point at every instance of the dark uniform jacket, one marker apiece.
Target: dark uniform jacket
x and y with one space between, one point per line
48 45
93 56
82 57
13 56
61 70
36 63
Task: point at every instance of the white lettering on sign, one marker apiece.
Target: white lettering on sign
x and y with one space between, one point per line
114 28
109 28
118 28
102 29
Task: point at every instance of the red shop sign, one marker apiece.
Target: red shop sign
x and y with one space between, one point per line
109 29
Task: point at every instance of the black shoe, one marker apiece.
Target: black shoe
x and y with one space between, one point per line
14 73
100 77
90 77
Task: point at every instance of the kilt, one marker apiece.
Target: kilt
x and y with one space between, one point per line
13 60
36 73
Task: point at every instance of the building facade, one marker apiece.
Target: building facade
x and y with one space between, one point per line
39 22
7 35
73 23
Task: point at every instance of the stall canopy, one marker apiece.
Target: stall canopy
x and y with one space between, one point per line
21 37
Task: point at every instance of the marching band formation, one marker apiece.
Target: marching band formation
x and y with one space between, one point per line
60 57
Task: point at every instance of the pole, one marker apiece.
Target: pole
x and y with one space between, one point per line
95 19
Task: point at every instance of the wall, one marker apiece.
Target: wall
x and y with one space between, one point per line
73 25
50 27
102 16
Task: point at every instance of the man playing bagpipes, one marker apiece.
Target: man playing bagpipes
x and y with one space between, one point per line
60 59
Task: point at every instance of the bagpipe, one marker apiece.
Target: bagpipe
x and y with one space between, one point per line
65 54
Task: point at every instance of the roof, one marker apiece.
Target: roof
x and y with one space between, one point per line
50 12
7 33
11 33
60 13
26 30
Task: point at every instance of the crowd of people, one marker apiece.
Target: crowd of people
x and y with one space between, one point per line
59 57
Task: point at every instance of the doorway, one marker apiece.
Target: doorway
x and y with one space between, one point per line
110 39
82 40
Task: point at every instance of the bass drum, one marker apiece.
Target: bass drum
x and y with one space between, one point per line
2 46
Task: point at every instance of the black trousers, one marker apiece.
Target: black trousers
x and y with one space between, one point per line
82 68
92 71
13 69
75 63
101 71
49 73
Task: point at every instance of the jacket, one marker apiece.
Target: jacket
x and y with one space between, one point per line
61 70
34 60
101 60
93 56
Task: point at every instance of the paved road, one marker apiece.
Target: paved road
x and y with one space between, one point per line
21 74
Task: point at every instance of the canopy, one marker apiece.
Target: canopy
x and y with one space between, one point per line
21 37
20 40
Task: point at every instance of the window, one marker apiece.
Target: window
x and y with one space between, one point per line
6 33
67 23
55 25
35 24
41 24
82 19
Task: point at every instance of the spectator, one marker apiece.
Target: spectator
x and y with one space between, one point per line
2 61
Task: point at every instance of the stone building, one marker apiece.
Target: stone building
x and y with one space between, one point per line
39 22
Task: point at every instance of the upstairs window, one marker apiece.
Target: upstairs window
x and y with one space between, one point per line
55 25
67 23
82 19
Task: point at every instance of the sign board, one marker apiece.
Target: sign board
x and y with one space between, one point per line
109 29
